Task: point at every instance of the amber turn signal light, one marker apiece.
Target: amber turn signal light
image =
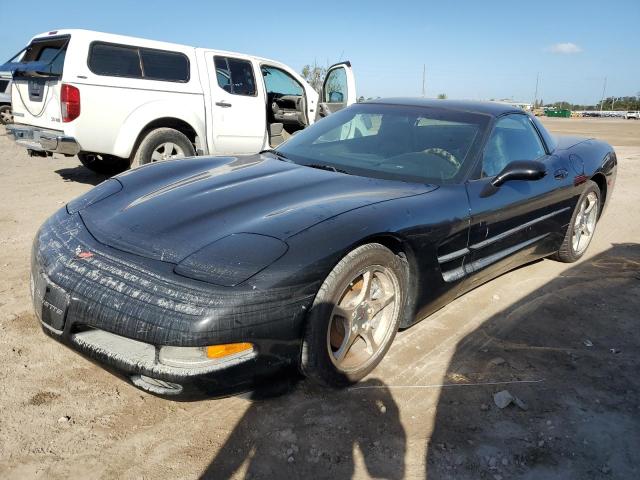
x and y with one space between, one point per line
221 351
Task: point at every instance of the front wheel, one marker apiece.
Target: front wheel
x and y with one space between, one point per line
355 316
582 226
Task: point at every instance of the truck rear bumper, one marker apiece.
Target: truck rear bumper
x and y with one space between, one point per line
41 140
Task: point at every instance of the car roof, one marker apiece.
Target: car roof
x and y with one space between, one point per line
488 108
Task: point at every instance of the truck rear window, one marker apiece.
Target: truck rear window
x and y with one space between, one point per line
136 62
50 51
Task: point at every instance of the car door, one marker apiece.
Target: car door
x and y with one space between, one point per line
238 110
522 219
338 89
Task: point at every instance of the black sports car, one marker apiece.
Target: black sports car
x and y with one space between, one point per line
197 274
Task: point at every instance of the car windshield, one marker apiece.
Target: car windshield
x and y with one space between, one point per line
407 143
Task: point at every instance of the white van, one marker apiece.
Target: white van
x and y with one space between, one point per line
118 101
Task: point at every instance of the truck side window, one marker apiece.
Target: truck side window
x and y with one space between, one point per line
135 62
235 76
279 81
159 65
115 60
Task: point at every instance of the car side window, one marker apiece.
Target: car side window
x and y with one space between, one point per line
513 138
235 76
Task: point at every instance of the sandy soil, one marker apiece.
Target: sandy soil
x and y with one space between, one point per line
564 339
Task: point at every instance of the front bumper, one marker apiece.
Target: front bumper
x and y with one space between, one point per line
119 310
42 140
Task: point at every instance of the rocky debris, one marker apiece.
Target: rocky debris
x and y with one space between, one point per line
484 407
504 398
496 361
64 419
587 343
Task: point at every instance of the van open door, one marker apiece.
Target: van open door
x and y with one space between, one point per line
338 90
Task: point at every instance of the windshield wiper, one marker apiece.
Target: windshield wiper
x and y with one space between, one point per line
280 155
326 167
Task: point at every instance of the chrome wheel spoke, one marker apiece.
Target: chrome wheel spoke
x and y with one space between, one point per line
365 291
156 156
380 304
343 312
372 345
346 345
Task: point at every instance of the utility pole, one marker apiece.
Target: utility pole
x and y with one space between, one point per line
613 102
604 87
424 78
535 97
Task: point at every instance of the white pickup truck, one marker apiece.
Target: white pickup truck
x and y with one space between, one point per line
118 101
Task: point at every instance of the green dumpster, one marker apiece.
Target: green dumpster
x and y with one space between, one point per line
557 112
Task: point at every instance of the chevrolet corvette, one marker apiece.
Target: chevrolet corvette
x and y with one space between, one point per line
195 275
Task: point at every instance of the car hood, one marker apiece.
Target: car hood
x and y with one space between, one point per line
169 210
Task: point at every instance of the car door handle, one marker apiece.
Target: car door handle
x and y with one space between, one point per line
561 173
223 104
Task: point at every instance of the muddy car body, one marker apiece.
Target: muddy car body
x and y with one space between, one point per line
198 274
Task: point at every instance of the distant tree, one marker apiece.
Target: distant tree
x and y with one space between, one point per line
442 96
314 75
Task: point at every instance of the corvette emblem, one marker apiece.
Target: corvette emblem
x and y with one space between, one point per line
83 253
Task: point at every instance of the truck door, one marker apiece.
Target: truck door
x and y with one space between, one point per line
237 108
338 90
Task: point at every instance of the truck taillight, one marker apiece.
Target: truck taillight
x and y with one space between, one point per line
69 102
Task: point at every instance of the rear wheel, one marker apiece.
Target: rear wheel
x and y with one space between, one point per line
103 164
163 144
6 116
582 227
355 316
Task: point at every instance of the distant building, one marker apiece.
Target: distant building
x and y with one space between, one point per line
522 105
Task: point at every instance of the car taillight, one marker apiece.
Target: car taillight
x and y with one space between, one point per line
69 102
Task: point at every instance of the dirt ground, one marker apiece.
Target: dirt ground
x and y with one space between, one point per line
563 339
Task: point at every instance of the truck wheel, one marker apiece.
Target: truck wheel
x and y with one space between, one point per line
6 117
103 164
162 144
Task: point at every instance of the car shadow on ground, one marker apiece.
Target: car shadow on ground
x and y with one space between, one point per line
81 174
577 341
289 436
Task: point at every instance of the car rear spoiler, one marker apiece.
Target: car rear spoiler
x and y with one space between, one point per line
33 68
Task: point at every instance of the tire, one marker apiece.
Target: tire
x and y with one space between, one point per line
6 116
569 252
103 164
349 329
153 147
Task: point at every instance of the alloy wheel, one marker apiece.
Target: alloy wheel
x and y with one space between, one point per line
361 321
585 223
167 151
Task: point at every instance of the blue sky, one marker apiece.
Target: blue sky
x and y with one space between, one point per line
472 49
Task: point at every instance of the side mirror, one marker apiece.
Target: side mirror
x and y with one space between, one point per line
516 170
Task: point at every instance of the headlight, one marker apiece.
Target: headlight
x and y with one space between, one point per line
233 259
100 192
190 357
